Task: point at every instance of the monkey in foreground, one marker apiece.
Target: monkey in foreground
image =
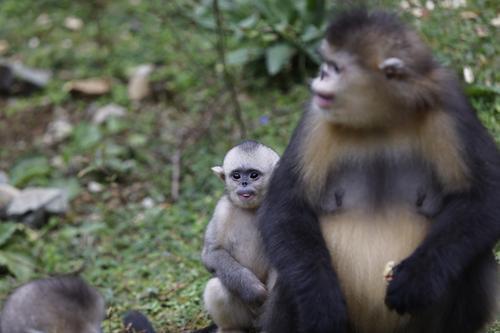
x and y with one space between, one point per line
389 163
63 304
233 251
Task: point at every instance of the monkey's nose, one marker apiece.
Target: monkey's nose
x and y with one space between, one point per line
323 74
244 183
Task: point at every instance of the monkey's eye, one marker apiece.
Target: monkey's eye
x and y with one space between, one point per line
254 175
236 175
333 65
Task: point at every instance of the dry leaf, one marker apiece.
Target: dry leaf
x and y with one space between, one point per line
93 86
481 31
138 86
4 46
469 15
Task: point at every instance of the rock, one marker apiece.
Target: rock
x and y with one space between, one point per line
16 78
7 194
148 203
37 77
95 187
138 86
4 179
50 200
106 112
73 23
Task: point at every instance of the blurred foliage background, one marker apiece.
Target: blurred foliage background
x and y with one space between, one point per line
189 79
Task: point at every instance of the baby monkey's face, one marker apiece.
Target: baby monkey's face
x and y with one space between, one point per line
246 187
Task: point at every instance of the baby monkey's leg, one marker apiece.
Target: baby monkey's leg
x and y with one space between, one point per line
228 312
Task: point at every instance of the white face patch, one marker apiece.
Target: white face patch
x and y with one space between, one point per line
259 158
262 158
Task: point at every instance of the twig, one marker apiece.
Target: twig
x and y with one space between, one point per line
176 174
187 136
228 79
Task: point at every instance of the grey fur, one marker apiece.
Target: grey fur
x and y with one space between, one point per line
233 251
56 304
249 145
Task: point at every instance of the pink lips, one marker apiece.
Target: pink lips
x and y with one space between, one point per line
245 196
323 101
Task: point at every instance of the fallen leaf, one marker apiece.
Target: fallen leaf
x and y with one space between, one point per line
92 86
138 86
469 15
481 31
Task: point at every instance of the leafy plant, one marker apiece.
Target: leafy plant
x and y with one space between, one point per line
271 33
15 261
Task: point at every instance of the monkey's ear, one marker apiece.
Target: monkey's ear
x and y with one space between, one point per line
219 172
393 68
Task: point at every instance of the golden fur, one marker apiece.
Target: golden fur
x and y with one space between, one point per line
432 137
361 244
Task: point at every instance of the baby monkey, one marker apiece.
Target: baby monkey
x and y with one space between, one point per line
233 251
63 304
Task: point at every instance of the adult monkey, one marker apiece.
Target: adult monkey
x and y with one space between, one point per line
389 163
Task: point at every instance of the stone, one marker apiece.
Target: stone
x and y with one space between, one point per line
4 179
7 194
51 200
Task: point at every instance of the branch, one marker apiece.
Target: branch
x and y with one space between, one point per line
228 79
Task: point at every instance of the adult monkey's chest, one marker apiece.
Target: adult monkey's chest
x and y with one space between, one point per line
372 212
379 183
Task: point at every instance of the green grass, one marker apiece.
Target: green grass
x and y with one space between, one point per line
149 258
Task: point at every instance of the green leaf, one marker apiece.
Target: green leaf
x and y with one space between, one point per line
28 169
249 22
18 264
243 56
71 185
6 232
278 56
477 90
310 33
86 136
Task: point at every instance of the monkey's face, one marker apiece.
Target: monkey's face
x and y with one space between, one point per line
246 187
246 172
346 92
